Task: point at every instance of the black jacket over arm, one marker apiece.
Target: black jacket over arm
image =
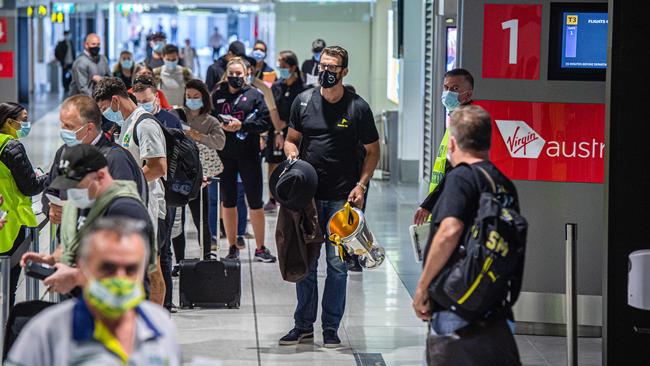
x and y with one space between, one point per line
15 158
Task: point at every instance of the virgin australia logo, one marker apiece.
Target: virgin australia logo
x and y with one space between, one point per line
521 140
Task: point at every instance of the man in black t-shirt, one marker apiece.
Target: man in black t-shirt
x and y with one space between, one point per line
329 123
452 340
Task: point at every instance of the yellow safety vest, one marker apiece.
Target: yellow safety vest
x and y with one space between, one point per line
439 165
17 205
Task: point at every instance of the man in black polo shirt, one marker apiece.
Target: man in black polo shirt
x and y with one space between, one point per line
329 123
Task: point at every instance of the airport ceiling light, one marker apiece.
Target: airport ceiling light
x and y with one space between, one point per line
125 8
42 11
325 1
65 8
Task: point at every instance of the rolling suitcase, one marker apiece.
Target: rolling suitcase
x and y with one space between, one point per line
209 282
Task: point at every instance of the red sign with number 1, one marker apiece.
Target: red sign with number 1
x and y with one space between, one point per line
6 64
511 41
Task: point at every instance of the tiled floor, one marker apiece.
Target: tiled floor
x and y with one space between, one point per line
378 325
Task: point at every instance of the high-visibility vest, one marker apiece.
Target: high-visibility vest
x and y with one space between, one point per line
17 206
439 165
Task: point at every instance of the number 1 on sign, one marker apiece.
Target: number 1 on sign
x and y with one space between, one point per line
513 25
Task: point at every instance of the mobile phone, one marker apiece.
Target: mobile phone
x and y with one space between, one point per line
223 118
39 271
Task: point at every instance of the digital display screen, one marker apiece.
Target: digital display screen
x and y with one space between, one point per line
584 40
578 36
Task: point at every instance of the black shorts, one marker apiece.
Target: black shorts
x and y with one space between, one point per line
250 170
270 152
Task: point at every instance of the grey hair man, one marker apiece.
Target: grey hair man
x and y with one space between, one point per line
112 323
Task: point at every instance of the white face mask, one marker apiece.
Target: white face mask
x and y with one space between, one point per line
80 198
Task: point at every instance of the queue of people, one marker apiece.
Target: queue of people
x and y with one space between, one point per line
118 236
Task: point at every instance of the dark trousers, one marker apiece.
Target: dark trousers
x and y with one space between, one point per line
14 274
485 342
200 216
242 210
66 77
164 232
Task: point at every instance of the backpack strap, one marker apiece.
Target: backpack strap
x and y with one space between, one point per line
142 117
181 114
477 180
305 98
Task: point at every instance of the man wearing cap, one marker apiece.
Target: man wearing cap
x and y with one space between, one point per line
92 193
310 67
218 68
329 123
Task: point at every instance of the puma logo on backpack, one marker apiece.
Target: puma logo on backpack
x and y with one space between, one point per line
489 273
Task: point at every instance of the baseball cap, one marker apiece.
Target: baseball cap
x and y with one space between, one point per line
158 36
318 45
237 48
76 162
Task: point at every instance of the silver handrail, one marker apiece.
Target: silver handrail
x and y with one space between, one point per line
571 234
54 297
31 284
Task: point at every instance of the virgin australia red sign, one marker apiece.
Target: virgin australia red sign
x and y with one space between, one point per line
559 142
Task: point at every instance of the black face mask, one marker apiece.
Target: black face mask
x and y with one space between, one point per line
235 82
94 51
328 79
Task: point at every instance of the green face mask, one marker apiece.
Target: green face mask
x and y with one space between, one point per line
112 297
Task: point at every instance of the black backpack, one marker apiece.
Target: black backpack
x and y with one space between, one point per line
184 171
488 274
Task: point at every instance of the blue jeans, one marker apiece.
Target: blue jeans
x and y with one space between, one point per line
242 209
335 283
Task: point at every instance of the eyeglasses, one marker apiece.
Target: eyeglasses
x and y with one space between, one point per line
332 67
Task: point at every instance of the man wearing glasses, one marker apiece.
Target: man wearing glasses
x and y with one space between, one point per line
329 123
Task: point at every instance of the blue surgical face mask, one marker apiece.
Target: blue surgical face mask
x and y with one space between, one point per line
158 47
149 106
450 100
258 55
317 56
194 104
70 137
113 116
25 128
126 64
283 73
171 65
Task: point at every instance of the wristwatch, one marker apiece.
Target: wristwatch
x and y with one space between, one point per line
363 187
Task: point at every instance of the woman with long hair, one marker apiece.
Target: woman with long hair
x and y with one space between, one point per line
244 115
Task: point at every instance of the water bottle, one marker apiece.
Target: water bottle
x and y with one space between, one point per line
241 134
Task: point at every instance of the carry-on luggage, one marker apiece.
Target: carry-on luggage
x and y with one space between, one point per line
209 282
20 315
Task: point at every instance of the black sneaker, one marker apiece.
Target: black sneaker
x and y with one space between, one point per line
241 242
233 253
296 336
353 264
176 271
264 255
331 339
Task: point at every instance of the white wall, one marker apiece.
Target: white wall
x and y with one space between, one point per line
344 24
411 110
